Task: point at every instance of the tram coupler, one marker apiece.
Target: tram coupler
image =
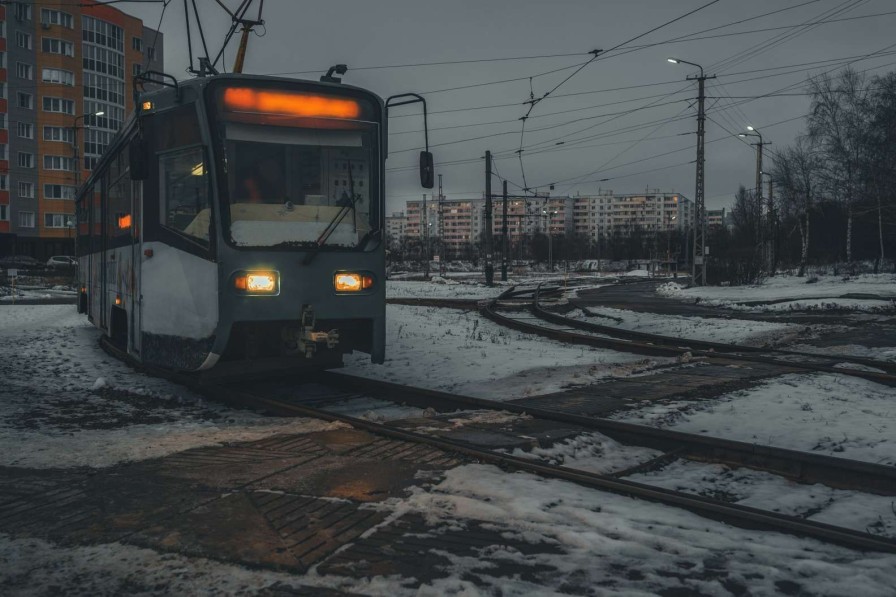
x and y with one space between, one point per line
308 340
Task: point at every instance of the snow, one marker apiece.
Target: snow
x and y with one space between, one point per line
459 351
738 331
825 413
794 293
635 547
440 287
65 403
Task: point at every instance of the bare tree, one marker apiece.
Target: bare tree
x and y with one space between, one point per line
839 127
881 164
796 172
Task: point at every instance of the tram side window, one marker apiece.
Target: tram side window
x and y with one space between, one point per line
83 212
95 205
119 219
185 192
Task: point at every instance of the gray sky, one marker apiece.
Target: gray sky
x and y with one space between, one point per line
599 139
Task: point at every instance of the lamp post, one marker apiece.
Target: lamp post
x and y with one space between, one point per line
75 146
71 221
760 240
698 274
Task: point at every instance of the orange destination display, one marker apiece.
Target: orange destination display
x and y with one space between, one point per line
243 99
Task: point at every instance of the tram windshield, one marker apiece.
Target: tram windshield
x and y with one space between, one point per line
300 185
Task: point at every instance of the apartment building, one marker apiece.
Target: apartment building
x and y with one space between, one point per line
463 220
609 213
66 70
717 218
396 226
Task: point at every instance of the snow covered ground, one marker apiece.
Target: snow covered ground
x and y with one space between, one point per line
818 412
739 331
65 403
459 351
785 293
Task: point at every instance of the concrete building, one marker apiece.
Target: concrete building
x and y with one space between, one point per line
396 226
463 221
609 213
717 218
62 65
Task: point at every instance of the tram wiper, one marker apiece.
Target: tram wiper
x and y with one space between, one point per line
348 204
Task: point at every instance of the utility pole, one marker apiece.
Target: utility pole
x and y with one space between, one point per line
425 240
698 269
441 231
489 270
504 243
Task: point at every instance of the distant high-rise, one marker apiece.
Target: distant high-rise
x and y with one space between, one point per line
66 72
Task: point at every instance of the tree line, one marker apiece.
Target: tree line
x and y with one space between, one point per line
834 187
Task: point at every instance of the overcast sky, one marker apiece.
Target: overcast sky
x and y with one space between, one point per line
602 135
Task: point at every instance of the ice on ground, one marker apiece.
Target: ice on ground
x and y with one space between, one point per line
458 351
830 414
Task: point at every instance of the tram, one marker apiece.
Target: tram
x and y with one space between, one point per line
237 223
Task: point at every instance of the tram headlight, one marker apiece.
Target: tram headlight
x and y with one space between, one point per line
257 282
352 282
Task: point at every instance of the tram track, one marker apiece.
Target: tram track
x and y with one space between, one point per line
796 465
601 336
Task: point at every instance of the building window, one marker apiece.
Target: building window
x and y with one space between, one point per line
4 182
58 162
26 130
23 40
2 28
4 212
59 104
24 71
26 160
55 75
4 151
26 190
26 219
3 120
57 46
2 90
55 220
151 53
59 133
2 59
136 69
25 100
59 191
56 17
22 12
137 44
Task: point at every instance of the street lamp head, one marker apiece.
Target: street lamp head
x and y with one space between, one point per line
741 135
673 60
100 113
749 128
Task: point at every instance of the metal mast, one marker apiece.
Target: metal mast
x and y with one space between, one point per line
441 231
698 268
489 270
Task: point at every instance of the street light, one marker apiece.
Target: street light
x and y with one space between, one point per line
754 133
698 274
76 158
